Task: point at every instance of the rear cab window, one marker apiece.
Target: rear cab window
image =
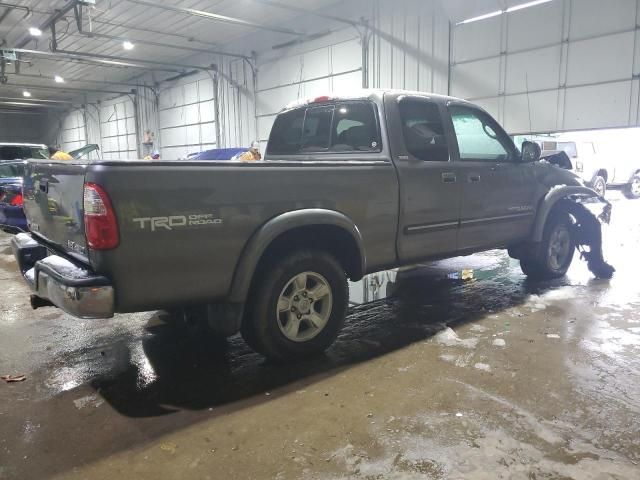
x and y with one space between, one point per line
337 128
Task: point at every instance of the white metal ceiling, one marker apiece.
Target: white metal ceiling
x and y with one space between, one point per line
139 23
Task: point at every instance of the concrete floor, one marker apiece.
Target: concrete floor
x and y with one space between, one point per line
492 378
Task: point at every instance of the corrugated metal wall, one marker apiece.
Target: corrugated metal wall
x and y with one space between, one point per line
582 70
187 116
410 46
331 63
73 133
118 129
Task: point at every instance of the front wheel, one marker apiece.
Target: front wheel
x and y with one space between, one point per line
554 255
632 190
297 306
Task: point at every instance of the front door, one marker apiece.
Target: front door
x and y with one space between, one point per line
429 182
498 189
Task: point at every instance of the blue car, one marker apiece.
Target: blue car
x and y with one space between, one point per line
218 154
12 217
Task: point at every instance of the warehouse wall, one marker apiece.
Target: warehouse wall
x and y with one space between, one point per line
581 70
187 116
27 127
408 48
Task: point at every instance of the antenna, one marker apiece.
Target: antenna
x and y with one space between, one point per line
526 82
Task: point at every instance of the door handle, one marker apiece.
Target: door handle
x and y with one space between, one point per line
473 178
448 177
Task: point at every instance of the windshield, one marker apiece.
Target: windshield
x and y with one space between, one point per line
11 170
22 152
569 148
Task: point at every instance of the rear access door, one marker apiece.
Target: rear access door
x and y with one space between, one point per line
53 199
429 181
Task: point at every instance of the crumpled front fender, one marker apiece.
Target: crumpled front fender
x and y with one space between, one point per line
554 196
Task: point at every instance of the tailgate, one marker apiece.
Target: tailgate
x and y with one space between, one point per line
53 199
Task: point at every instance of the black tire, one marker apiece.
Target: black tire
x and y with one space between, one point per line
599 184
632 189
263 327
543 263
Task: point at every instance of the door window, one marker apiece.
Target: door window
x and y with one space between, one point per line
423 130
479 136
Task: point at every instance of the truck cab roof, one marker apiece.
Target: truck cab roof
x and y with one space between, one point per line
374 94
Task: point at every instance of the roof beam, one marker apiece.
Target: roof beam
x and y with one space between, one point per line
62 88
53 18
160 44
29 101
293 8
36 105
76 80
217 18
110 60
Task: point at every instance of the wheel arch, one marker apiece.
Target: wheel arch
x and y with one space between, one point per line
551 199
327 229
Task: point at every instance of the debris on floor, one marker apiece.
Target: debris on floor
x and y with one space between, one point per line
449 338
13 378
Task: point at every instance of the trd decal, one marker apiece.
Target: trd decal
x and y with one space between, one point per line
176 221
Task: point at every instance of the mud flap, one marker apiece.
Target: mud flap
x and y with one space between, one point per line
587 233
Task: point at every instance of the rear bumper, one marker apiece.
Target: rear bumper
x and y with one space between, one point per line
53 278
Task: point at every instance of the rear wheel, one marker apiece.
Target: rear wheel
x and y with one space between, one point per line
297 306
554 255
632 190
600 185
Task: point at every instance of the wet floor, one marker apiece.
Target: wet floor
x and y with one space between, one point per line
432 377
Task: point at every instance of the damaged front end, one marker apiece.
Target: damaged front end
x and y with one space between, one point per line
587 234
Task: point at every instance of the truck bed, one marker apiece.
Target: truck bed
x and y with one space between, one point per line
183 225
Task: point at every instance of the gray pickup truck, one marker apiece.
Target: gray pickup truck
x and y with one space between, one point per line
350 185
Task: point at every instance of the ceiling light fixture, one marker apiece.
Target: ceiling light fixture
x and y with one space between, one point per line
127 45
481 17
34 31
58 79
26 94
515 8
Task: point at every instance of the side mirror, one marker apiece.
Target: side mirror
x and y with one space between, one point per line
530 152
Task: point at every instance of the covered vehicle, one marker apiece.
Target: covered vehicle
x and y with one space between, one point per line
12 216
11 171
218 154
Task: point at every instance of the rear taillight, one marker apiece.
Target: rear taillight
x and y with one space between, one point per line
100 225
16 201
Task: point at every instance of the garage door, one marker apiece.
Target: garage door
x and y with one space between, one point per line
553 67
118 129
187 118
72 135
333 63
